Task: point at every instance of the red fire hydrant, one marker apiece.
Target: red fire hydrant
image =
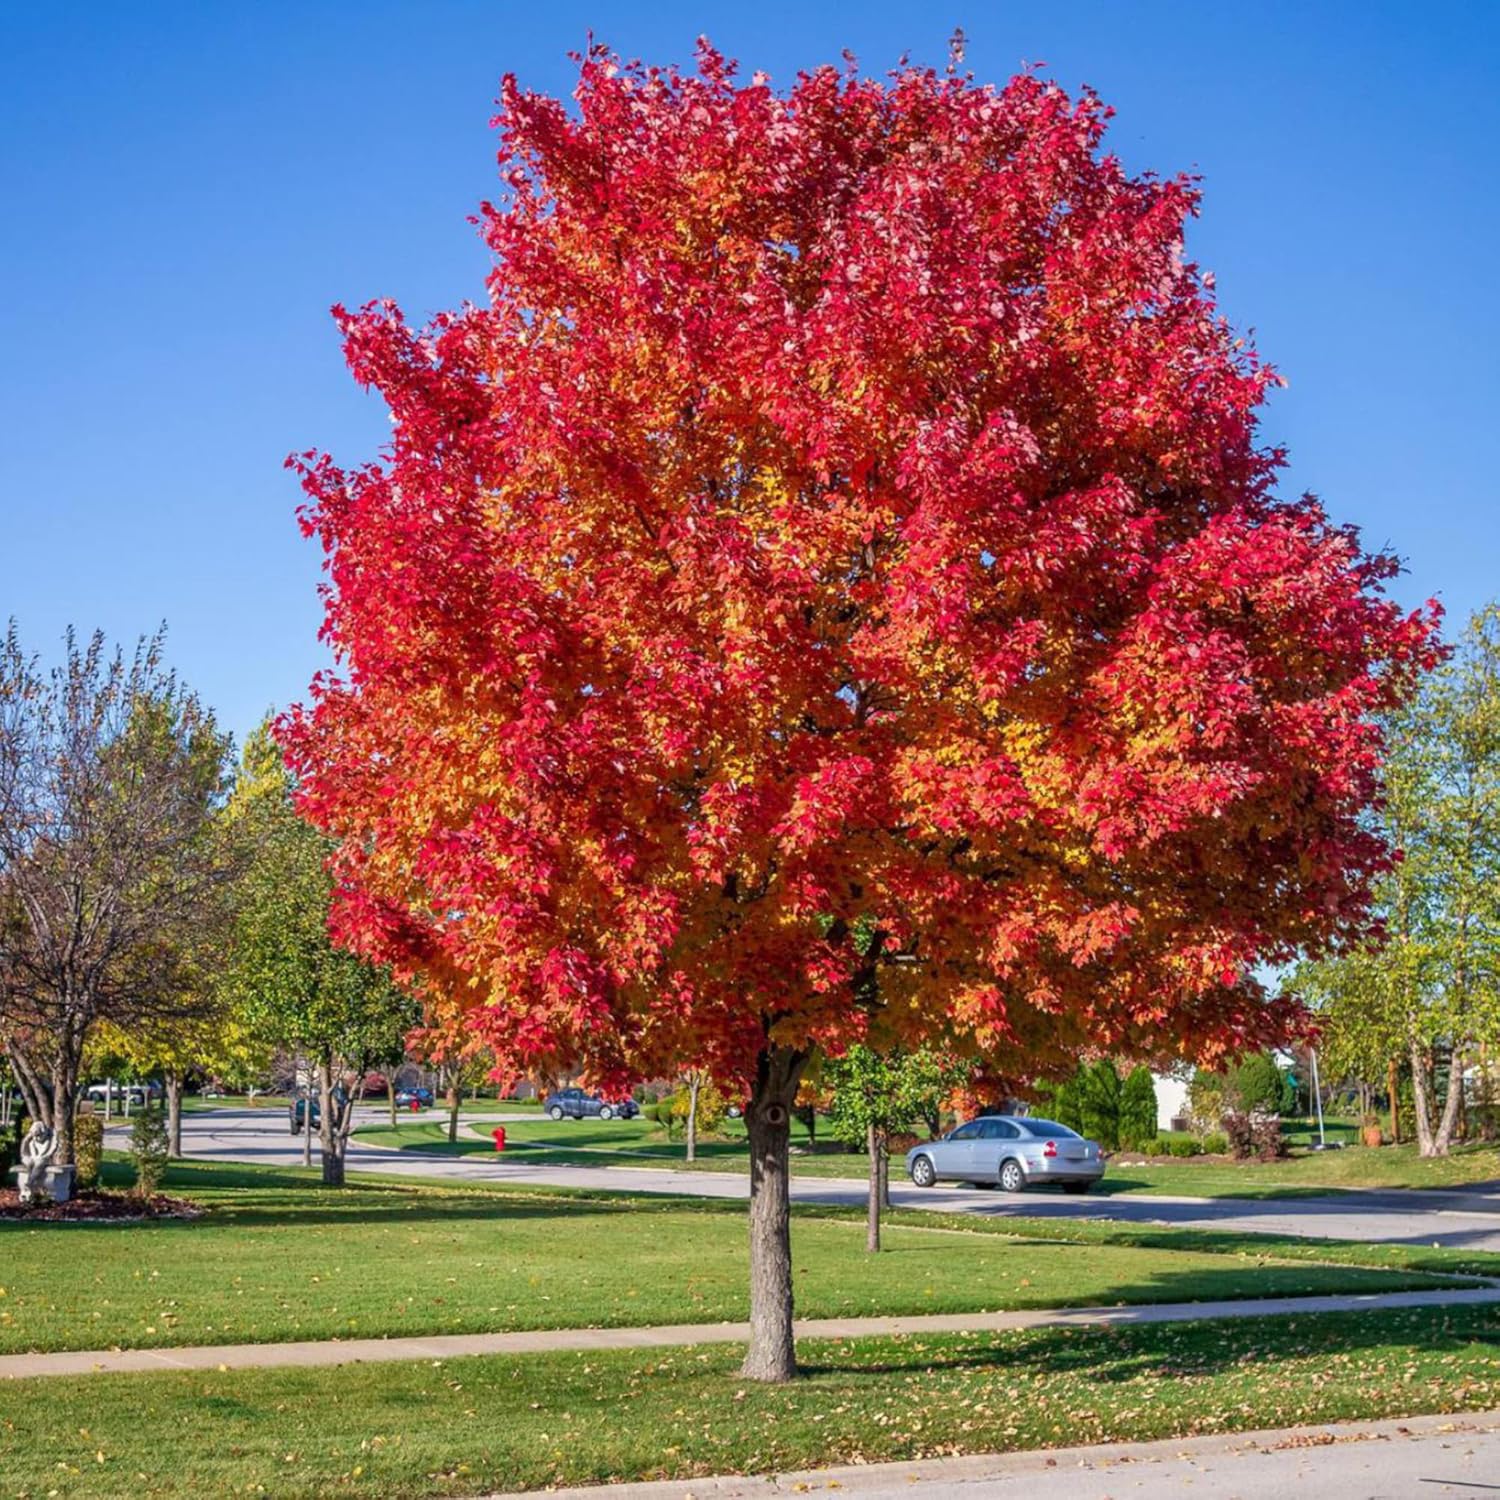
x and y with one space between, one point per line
416 1104
499 1134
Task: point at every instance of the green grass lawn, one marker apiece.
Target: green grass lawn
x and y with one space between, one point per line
642 1143
1313 1173
276 1258
464 1427
197 1104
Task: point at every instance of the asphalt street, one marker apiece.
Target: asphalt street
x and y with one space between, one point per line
1454 1218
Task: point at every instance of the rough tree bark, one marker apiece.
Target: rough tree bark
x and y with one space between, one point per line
36 1093
771 1355
872 1212
64 1104
1435 1137
336 1106
172 1086
1393 1090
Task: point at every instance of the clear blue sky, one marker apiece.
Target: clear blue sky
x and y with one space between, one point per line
187 188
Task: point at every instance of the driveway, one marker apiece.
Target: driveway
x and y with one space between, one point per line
1455 1220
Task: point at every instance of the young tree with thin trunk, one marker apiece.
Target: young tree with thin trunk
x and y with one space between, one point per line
113 878
284 974
459 1057
876 1094
834 582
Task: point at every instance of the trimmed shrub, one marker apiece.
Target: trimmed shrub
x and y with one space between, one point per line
148 1150
1215 1143
88 1148
1185 1145
711 1107
1138 1110
1267 1137
1240 1134
1099 1087
1255 1086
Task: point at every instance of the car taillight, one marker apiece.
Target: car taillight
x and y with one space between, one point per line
1050 1149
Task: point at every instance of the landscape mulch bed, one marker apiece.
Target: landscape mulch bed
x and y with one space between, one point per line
88 1208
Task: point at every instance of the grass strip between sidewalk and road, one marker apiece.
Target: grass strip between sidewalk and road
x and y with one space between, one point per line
464 1427
274 1258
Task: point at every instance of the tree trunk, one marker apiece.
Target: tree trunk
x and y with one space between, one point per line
1421 1091
64 1107
1393 1088
872 1212
771 1355
390 1093
172 1086
330 1137
694 1085
307 1098
885 1170
35 1093
455 1093
1443 1136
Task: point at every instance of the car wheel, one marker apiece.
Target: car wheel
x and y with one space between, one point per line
606 1113
556 1112
922 1172
1012 1178
1076 1187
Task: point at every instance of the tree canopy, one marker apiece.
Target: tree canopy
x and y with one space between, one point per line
835 575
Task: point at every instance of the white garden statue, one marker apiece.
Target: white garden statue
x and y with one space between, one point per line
36 1178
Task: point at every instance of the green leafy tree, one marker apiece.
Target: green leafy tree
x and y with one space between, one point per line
877 1093
1138 1110
294 986
112 872
1430 995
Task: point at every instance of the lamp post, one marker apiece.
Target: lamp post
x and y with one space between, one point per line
1318 1099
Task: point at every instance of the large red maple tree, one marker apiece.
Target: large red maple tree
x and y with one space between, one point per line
833 588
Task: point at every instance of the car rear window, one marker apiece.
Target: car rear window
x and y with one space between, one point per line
1050 1130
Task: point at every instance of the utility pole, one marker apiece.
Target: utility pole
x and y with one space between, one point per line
1318 1099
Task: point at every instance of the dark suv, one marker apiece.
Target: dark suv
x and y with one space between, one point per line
574 1104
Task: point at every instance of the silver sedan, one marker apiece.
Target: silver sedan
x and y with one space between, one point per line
1011 1150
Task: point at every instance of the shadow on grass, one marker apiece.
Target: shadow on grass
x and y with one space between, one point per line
1175 1351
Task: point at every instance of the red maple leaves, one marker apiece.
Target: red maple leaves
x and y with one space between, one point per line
836 574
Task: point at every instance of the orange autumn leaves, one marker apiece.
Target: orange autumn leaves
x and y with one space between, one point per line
832 581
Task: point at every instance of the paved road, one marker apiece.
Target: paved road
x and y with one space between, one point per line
1459 1220
1386 1460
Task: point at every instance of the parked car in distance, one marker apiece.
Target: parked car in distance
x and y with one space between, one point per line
1012 1151
576 1104
405 1098
295 1110
137 1093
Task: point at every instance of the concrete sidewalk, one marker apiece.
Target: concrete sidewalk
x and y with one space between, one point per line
544 1341
1456 1454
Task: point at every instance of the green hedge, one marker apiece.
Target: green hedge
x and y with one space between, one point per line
88 1149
